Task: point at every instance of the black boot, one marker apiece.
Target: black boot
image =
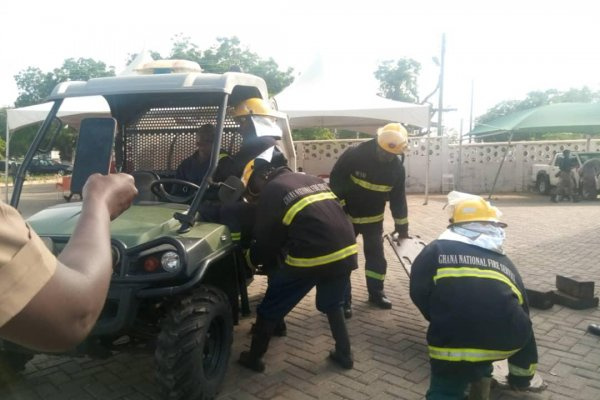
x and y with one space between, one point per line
263 330
279 331
348 310
379 299
342 354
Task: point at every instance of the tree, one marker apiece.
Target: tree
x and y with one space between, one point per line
313 134
34 86
228 54
398 79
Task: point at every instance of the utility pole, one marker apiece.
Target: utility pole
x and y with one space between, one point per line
471 110
441 89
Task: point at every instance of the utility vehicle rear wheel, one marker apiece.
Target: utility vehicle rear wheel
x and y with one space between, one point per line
194 345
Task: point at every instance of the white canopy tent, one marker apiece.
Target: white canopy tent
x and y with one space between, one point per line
318 99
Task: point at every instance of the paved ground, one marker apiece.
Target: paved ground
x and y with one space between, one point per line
389 346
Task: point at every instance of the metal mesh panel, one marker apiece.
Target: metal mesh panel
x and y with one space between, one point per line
162 137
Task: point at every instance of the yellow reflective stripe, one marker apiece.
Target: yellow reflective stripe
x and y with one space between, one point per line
370 186
467 272
367 220
343 202
401 221
248 258
236 236
471 355
518 371
326 259
299 206
374 275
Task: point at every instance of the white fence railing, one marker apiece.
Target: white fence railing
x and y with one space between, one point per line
468 167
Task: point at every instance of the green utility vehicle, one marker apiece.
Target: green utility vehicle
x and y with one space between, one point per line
179 283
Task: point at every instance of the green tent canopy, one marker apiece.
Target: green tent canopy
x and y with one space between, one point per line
553 118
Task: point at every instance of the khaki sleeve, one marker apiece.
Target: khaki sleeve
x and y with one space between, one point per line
26 264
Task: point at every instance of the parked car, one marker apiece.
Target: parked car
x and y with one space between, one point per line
545 176
12 167
41 166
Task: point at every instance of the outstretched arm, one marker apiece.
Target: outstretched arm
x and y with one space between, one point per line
64 311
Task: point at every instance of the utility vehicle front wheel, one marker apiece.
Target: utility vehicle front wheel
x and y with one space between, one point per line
194 345
11 363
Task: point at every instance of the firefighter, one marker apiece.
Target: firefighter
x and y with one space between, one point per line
304 236
566 184
259 131
365 177
475 301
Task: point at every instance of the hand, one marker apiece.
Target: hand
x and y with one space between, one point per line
401 235
115 191
400 232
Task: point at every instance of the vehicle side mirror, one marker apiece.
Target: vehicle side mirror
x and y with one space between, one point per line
231 190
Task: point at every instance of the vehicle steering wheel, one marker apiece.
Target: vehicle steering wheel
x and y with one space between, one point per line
158 189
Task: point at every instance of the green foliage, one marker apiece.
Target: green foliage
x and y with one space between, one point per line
65 143
313 134
228 54
326 134
398 79
34 85
19 142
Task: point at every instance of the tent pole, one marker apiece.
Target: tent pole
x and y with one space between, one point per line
427 137
460 139
6 163
500 167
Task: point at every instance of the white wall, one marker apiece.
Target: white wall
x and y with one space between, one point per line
471 167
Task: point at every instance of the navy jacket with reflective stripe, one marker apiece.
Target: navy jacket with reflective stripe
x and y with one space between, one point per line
474 299
316 232
360 164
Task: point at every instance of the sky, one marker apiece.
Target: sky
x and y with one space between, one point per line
494 50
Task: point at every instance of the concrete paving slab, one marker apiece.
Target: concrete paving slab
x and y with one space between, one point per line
543 239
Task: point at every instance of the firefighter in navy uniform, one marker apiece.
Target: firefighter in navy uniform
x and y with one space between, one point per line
475 302
305 237
364 178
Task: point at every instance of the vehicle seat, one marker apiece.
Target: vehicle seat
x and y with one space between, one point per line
143 181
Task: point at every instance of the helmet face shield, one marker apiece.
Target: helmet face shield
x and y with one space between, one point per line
265 126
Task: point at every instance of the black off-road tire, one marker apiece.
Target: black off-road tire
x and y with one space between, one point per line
543 184
11 363
194 345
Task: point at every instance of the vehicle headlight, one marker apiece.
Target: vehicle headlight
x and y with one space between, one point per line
170 261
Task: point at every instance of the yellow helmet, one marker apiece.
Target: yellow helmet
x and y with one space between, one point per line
392 138
253 106
475 209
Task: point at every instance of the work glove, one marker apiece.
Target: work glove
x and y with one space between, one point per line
400 232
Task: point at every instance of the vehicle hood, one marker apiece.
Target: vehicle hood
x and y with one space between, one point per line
139 224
